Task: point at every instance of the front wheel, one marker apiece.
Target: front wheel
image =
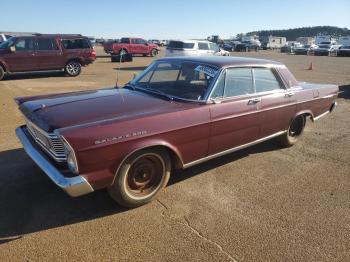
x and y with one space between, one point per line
73 68
141 177
293 133
154 52
2 73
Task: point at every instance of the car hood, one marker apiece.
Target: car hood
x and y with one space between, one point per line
52 112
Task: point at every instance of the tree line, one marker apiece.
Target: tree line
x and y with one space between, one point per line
294 33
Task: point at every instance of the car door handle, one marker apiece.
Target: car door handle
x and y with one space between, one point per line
289 94
254 101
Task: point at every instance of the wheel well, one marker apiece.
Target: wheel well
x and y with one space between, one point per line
3 67
306 115
74 59
176 161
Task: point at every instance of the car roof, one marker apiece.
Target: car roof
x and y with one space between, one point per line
190 41
224 61
64 36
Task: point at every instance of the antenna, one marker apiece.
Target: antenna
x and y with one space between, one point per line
120 64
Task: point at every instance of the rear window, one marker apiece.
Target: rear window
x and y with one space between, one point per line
79 43
180 45
46 44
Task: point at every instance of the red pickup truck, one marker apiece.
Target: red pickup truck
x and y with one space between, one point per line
131 46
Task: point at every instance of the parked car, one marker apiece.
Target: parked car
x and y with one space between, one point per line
177 113
193 48
304 49
164 42
228 47
247 46
154 41
344 50
290 46
132 46
45 53
324 49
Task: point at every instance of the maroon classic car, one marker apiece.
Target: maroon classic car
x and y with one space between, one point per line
177 113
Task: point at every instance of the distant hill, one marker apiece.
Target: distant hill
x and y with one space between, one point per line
294 33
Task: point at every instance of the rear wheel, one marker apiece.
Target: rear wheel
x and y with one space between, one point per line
2 73
73 68
141 177
294 131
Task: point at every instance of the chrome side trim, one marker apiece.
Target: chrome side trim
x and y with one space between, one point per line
334 105
233 149
321 115
328 96
73 186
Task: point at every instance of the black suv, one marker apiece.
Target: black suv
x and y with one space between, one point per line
247 46
45 53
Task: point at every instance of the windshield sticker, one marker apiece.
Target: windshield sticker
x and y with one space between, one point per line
206 70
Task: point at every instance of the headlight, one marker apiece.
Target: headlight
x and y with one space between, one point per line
70 155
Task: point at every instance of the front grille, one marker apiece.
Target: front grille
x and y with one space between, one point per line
51 143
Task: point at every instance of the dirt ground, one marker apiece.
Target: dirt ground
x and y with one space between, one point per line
263 203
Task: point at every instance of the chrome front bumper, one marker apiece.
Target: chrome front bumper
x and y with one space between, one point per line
73 186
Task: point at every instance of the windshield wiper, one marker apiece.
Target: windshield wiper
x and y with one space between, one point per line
155 91
129 86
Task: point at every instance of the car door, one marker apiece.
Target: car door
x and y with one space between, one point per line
134 47
234 116
143 46
23 58
277 107
48 54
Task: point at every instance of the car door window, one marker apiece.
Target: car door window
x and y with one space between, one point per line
203 46
79 43
239 81
141 41
46 44
219 88
26 44
265 80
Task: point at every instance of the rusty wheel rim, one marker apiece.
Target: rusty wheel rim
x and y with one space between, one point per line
145 175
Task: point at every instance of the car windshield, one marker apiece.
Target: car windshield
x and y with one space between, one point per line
9 42
181 80
324 46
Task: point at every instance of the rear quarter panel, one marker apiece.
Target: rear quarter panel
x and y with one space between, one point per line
315 98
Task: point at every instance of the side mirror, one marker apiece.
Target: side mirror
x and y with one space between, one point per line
12 49
146 44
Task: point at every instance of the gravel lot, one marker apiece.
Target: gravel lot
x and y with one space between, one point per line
260 204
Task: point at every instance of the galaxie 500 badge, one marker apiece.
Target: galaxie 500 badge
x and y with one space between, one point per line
114 138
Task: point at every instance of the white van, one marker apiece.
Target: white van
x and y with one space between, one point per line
193 48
